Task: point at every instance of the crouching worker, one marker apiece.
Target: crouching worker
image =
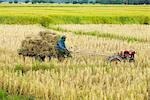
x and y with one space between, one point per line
62 51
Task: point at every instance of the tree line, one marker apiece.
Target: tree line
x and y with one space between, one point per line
136 2
123 1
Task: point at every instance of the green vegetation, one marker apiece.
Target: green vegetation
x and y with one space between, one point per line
112 36
87 1
5 96
102 35
35 66
73 14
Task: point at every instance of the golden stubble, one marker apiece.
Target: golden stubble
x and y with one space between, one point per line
85 76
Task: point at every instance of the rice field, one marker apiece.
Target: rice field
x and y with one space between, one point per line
138 33
46 14
82 77
90 29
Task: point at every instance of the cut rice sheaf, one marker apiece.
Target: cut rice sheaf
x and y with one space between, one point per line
42 45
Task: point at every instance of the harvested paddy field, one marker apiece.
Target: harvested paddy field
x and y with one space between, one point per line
84 76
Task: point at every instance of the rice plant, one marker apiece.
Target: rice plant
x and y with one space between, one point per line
71 14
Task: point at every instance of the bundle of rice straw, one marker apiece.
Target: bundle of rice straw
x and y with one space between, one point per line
43 45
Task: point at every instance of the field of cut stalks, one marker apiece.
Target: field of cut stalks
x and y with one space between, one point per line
138 33
84 76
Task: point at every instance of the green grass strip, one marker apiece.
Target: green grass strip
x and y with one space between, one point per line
46 20
5 96
102 35
112 36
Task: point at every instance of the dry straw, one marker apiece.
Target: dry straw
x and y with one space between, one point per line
42 45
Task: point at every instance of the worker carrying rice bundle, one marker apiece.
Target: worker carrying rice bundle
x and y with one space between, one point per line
48 45
62 51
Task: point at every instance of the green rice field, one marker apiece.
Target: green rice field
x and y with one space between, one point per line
46 14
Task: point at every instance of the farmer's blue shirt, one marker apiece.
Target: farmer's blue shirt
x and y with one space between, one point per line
61 44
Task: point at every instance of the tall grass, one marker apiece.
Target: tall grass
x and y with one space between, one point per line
45 21
51 14
19 20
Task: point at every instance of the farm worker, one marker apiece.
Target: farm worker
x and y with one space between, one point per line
61 49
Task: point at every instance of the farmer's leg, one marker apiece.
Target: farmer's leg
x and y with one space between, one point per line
60 55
